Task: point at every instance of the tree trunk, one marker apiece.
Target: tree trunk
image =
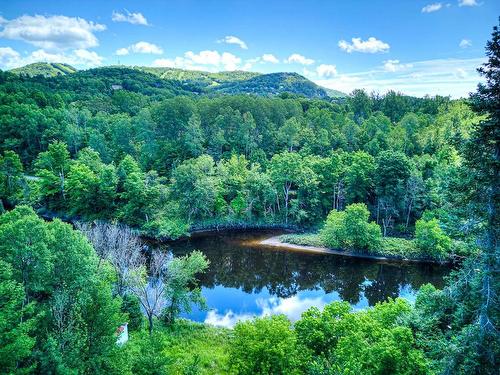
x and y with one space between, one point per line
150 320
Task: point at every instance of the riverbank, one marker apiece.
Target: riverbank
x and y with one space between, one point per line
311 243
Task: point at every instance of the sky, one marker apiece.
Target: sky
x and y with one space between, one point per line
412 46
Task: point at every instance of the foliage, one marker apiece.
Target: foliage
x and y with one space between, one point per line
44 69
264 346
307 239
54 271
350 229
16 324
182 290
431 239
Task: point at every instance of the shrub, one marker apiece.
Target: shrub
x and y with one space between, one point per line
350 229
431 239
306 239
264 346
399 247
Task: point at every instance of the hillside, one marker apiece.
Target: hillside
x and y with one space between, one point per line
229 82
198 76
44 69
241 82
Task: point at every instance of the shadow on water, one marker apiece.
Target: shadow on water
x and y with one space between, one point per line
246 279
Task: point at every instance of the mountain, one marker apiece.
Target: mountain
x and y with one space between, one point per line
206 79
44 69
230 82
242 82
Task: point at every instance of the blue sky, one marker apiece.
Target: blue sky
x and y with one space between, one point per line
417 47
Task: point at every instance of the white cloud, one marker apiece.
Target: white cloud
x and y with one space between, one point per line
133 18
230 39
326 71
461 73
10 58
299 59
140 47
52 32
292 307
454 77
204 60
432 8
465 43
467 3
227 320
270 58
372 45
121 51
88 58
395 65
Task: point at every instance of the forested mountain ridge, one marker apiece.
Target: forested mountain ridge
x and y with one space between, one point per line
228 82
44 69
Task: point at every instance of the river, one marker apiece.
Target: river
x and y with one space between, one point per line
246 279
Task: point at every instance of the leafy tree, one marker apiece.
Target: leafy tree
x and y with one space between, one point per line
391 177
289 133
181 284
58 269
431 239
52 167
195 186
350 229
288 171
11 177
16 325
193 138
359 176
24 243
361 105
264 346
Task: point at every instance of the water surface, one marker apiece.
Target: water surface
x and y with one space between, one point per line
246 279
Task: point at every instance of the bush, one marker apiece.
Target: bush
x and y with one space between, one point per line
369 342
350 229
132 306
311 239
431 239
264 346
399 247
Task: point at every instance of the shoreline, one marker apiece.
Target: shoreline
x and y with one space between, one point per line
277 243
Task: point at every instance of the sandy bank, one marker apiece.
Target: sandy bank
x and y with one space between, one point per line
276 242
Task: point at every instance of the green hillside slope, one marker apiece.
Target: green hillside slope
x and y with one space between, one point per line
44 69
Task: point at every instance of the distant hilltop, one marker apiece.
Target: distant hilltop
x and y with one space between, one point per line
229 82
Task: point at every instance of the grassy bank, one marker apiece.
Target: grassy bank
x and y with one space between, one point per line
390 247
186 348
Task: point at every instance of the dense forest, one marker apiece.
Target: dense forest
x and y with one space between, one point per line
121 151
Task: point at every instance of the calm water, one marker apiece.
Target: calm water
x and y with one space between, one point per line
246 280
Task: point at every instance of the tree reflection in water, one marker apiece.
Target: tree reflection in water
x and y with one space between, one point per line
237 262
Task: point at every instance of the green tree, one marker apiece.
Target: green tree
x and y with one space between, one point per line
16 325
391 178
52 167
289 173
289 133
195 186
431 239
11 177
365 342
264 346
24 243
182 290
359 177
350 229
